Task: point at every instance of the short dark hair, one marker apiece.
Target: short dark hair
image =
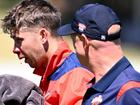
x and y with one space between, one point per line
30 13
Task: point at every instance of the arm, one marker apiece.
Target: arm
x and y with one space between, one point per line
69 89
73 85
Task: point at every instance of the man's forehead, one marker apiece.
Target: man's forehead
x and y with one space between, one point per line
21 30
26 29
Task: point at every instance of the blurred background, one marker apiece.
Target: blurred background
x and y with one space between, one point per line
127 10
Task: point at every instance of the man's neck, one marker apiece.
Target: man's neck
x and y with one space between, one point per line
104 61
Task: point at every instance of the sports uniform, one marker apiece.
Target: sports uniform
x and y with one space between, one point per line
117 86
65 81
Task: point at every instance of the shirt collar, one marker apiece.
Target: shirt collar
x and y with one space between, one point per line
107 80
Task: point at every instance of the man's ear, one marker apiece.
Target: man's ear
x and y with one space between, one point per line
85 40
44 34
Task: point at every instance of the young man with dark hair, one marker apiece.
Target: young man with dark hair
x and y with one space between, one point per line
33 24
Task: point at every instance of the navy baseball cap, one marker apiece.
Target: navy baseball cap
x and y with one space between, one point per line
93 20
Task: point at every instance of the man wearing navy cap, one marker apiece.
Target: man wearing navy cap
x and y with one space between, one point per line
95 31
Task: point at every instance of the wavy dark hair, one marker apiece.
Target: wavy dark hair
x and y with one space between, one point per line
32 13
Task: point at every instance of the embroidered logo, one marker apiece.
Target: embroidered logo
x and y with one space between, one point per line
103 37
81 27
97 100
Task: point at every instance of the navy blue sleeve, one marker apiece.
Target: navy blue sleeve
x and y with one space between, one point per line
131 97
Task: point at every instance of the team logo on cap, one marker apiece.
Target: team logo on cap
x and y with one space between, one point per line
81 27
97 100
103 37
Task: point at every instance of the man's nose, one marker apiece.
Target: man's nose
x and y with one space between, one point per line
16 50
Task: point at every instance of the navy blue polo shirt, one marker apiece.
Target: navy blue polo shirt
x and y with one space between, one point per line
109 86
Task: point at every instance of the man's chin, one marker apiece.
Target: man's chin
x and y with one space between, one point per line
32 66
27 61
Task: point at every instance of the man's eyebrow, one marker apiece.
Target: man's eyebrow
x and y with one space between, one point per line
16 38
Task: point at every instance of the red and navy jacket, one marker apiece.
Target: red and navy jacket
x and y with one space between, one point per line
65 81
120 86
